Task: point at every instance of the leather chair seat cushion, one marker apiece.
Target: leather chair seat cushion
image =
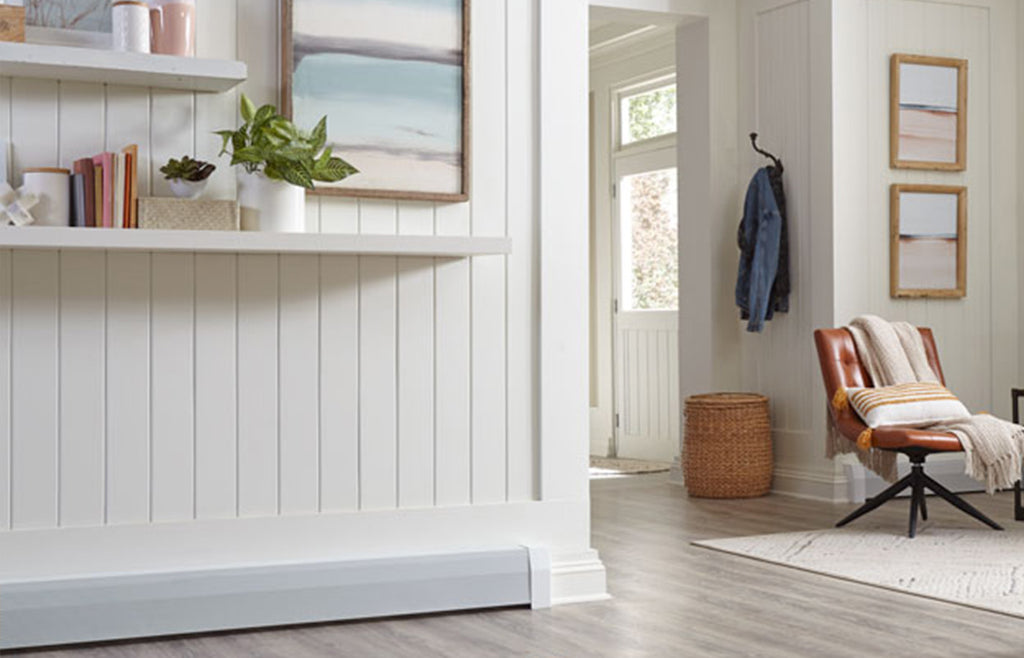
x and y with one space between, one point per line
896 438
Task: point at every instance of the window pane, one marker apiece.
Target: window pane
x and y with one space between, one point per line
648 114
650 267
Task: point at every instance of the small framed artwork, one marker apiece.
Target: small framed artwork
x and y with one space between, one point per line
928 241
393 80
928 113
82 23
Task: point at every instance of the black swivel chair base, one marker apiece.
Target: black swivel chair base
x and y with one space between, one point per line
918 481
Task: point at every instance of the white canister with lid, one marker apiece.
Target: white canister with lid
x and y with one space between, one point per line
130 26
53 187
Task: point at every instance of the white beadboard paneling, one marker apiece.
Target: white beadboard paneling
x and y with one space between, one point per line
34 390
339 215
216 111
173 132
81 104
216 398
415 382
6 317
378 445
339 383
521 117
258 37
128 122
298 399
127 394
452 338
172 423
488 429
34 123
82 335
258 340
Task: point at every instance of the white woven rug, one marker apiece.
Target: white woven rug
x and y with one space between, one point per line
980 568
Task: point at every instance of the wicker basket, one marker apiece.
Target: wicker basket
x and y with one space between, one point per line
727 449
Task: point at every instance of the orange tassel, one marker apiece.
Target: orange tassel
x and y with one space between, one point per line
840 401
864 440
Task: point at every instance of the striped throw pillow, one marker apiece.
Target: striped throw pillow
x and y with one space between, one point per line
906 405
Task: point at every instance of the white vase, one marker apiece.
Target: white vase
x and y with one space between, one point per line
187 189
270 205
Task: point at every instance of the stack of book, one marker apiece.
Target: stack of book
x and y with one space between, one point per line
105 190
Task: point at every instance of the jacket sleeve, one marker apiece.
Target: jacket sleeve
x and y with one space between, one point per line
766 253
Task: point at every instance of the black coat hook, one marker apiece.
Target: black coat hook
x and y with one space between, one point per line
775 160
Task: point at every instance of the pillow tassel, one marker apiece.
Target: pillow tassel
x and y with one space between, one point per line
840 401
864 440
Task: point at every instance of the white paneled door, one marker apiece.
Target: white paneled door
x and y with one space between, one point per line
645 317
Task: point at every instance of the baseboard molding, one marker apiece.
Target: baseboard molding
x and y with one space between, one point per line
577 577
107 607
811 485
862 483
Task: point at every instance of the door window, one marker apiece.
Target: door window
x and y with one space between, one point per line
649 240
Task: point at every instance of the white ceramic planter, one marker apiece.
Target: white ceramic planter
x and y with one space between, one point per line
187 189
271 205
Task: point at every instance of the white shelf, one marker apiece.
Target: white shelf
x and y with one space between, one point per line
30 60
46 237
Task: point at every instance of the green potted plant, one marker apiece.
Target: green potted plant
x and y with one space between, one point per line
188 177
279 163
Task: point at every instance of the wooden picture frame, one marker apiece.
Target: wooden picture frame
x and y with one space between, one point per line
445 162
928 241
927 112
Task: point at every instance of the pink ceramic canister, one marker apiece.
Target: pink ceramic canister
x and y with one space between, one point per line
173 27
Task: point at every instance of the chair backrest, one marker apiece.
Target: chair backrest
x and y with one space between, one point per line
840 365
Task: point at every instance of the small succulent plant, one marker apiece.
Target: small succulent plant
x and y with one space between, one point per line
187 169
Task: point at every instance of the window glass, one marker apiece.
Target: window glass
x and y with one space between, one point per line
650 267
648 114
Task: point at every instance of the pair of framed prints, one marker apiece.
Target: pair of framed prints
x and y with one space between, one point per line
928 131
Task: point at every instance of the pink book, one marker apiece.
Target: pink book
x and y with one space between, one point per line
106 162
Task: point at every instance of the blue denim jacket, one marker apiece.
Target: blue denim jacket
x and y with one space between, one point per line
759 235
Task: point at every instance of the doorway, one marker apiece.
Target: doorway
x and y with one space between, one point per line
634 241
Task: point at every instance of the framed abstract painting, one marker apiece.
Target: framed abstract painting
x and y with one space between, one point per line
392 77
928 113
928 241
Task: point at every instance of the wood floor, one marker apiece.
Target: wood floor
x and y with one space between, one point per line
671 599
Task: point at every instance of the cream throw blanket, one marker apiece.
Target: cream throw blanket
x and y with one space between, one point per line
893 353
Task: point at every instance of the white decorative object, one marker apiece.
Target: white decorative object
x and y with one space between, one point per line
907 405
271 205
53 187
187 189
130 26
15 205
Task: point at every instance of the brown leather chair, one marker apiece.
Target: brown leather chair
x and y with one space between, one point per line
841 367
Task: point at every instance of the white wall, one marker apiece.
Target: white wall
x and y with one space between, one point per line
141 388
839 236
784 96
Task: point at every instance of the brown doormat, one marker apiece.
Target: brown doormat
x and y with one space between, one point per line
606 467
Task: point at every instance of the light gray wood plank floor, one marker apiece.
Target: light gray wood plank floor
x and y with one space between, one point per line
670 599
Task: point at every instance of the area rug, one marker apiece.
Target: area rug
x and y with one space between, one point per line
980 568
604 467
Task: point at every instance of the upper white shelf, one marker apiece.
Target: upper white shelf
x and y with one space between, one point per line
48 237
30 60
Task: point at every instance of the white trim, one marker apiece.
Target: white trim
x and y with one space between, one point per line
540 577
577 577
106 607
809 484
862 483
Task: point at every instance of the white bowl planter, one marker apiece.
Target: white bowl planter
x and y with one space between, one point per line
271 205
187 189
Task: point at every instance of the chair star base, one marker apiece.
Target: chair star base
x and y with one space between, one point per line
917 481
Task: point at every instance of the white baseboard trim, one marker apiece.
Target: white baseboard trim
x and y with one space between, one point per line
949 471
106 607
577 577
811 485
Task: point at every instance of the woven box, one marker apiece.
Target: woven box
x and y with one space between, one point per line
12 23
186 214
727 448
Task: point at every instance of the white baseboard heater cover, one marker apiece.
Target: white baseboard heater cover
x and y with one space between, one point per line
42 613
